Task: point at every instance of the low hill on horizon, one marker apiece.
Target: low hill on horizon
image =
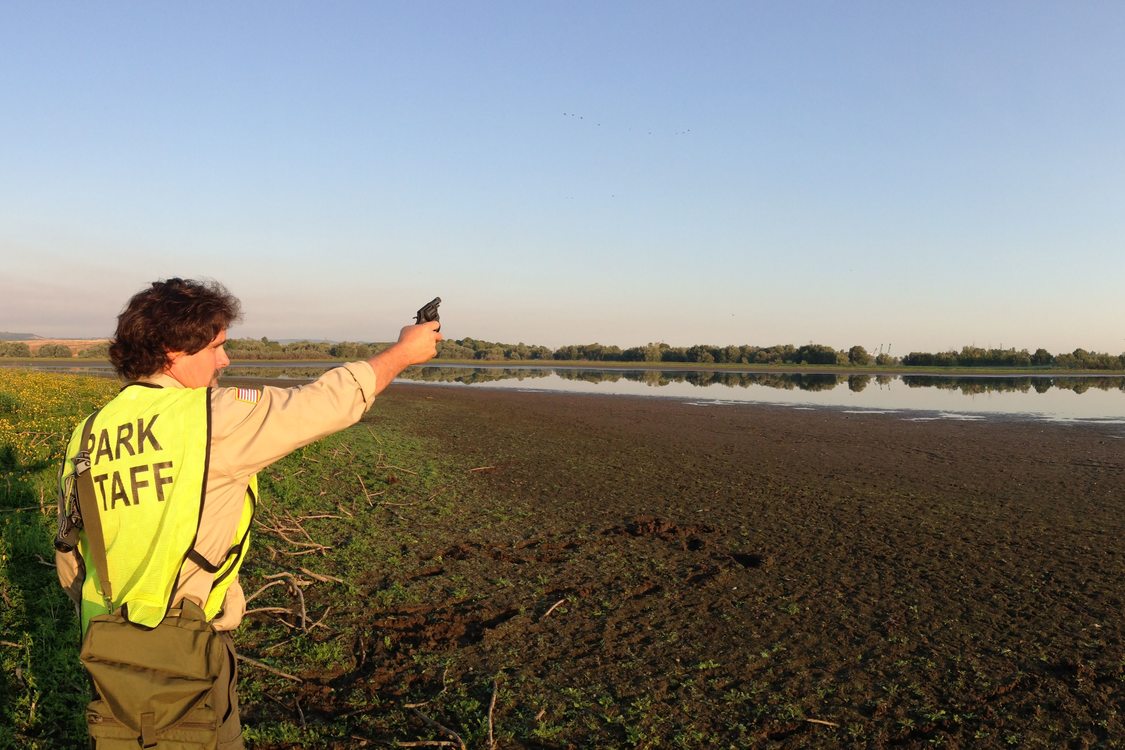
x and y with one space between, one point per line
6 336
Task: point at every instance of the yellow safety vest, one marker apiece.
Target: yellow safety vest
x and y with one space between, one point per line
149 448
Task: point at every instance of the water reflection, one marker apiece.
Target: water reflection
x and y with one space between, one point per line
1051 397
1048 397
785 381
811 382
1022 384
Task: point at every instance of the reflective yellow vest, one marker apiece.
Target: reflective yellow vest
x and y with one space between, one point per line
149 449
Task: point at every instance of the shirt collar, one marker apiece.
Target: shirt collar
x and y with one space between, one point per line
161 380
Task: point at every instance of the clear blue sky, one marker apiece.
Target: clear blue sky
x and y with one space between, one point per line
924 175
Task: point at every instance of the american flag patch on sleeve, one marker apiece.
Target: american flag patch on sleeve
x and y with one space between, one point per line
249 395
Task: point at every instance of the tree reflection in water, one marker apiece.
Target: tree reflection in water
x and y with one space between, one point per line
705 378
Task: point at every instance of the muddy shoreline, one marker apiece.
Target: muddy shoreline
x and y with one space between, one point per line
802 577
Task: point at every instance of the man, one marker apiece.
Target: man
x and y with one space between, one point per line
173 462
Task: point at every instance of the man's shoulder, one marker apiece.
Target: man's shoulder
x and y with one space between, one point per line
236 397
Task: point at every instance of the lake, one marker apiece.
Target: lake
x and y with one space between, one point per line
925 397
1049 397
1066 398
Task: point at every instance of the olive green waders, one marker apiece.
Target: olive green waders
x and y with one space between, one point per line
172 687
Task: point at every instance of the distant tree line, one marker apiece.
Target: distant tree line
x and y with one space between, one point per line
491 351
55 351
972 356
264 348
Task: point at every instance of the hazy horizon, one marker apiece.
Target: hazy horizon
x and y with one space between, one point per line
882 347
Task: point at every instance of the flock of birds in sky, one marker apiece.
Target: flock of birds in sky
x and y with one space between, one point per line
576 116
598 124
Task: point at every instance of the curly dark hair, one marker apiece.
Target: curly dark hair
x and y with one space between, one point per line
175 315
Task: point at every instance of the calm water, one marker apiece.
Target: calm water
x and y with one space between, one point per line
1056 398
1100 399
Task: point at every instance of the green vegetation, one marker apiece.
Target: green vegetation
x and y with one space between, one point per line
353 568
42 686
17 349
782 356
808 355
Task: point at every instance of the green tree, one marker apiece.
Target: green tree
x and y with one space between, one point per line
97 351
817 354
451 349
55 350
857 355
654 352
14 349
700 353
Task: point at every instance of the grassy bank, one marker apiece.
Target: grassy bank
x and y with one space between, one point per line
330 542
42 687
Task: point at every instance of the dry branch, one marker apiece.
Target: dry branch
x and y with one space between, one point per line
295 588
822 722
554 606
444 685
254 596
268 668
268 610
320 576
442 728
368 494
491 710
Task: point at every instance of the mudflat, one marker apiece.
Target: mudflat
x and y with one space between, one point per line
642 572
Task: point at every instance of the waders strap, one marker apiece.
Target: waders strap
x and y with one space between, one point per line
148 729
91 521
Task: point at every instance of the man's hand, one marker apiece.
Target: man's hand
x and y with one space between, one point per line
419 342
416 344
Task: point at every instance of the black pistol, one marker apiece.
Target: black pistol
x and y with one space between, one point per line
429 312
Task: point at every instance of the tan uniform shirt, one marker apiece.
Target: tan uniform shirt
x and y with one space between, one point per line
249 433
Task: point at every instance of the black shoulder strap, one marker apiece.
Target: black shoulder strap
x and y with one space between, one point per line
91 521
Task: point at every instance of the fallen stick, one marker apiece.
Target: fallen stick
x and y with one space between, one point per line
268 668
368 493
482 468
444 674
320 576
554 606
443 728
303 552
491 709
295 588
318 623
254 596
822 722
268 610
